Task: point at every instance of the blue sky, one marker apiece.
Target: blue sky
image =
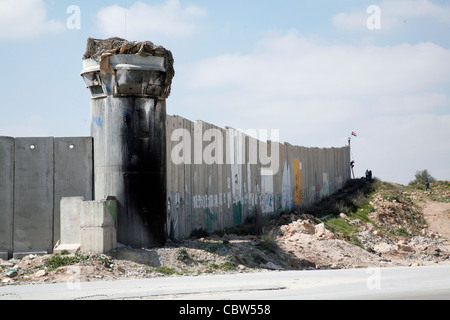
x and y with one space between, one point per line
312 69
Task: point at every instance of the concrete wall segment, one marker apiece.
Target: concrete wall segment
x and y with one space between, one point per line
7 145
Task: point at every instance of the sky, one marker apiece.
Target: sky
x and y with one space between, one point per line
316 70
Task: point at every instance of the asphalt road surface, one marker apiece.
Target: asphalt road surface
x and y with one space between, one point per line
426 282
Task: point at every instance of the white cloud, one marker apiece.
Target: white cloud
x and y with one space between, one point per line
316 94
25 19
414 103
351 20
292 66
394 14
143 21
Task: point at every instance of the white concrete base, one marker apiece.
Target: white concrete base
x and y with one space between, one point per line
90 224
71 248
98 240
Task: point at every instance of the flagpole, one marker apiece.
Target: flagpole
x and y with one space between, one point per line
350 150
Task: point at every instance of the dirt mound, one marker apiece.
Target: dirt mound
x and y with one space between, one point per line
318 245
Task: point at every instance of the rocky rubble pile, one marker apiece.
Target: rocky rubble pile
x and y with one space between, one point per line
314 243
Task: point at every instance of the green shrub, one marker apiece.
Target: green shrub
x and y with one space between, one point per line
57 260
268 242
166 270
182 254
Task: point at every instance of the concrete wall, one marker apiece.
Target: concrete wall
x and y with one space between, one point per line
73 173
215 179
215 176
33 195
35 173
6 195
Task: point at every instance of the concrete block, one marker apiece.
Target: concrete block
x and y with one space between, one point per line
21 254
6 194
71 248
70 208
98 240
98 220
101 213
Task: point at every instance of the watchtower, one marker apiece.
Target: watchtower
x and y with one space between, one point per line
129 83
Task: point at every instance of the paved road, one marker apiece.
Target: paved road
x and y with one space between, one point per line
431 282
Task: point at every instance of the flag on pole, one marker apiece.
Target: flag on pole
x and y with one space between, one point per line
354 134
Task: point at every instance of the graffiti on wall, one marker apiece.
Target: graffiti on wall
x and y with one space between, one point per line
298 182
235 186
286 193
267 205
326 186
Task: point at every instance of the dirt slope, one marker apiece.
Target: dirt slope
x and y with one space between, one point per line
437 215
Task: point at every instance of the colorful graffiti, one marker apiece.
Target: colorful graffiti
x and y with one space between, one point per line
298 182
326 185
286 192
228 193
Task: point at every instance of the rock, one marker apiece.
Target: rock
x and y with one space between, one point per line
302 227
343 215
330 236
293 262
404 248
41 273
7 280
6 264
436 252
384 247
368 239
415 264
378 233
309 227
320 230
370 250
273 266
